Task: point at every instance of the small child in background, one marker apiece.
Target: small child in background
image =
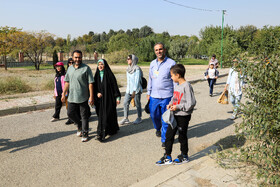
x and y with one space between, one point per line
58 88
211 75
182 104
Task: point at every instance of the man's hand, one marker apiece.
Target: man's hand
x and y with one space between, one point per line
133 94
63 98
91 101
148 97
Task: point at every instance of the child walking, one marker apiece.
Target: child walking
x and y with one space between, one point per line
212 75
182 105
58 88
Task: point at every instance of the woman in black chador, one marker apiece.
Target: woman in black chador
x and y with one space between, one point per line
106 96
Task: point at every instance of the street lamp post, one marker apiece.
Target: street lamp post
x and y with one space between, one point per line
223 13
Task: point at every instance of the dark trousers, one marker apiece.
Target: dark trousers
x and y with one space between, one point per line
79 113
182 127
58 105
211 83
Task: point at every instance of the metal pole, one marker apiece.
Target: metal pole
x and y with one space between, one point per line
223 13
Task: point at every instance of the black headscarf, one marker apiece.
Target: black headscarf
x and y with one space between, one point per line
106 105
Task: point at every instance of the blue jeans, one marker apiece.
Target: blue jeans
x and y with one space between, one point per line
127 100
157 108
235 100
211 83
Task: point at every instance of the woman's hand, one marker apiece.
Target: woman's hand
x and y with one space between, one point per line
99 95
118 102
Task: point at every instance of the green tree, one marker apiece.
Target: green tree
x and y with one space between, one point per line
245 36
119 42
178 48
145 31
8 41
33 45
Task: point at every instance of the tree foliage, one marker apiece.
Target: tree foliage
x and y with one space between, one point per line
261 118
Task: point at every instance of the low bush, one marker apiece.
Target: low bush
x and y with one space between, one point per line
11 85
49 85
117 57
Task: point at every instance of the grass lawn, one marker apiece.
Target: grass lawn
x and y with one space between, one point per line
192 61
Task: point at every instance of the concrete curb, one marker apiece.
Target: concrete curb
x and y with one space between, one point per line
173 171
42 106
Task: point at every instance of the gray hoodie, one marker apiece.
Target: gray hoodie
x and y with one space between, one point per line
183 98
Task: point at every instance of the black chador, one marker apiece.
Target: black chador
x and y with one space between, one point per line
106 84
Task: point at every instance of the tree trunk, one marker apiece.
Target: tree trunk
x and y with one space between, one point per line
5 62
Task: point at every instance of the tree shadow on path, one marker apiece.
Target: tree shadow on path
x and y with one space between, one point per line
31 142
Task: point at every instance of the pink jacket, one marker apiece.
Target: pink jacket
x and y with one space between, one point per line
62 84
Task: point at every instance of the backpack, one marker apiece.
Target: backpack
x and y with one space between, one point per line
143 81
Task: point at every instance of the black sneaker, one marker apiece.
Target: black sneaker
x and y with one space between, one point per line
68 122
158 133
165 160
181 159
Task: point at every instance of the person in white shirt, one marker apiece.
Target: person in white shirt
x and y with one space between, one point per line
211 75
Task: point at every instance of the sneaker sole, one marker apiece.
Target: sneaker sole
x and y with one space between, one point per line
84 140
175 163
167 163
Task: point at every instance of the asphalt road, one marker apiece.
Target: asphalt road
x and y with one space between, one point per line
36 152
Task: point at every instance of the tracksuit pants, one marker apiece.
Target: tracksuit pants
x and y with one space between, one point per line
157 108
182 127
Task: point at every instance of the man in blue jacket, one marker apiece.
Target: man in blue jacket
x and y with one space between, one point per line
160 89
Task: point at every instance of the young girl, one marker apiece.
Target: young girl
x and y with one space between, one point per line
58 89
106 98
182 104
133 89
212 75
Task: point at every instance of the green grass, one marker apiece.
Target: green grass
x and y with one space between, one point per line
192 61
42 67
11 85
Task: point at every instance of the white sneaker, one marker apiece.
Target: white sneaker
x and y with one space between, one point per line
79 133
84 139
233 117
54 119
124 121
137 121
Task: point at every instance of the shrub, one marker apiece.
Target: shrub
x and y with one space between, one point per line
117 57
261 118
11 85
49 85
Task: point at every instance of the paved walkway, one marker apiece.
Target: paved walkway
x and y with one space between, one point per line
201 171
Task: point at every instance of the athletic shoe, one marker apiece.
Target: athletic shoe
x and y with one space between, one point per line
79 133
165 160
54 119
68 122
137 121
85 137
233 117
124 121
158 133
181 159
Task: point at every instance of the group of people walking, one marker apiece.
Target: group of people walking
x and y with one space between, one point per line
167 91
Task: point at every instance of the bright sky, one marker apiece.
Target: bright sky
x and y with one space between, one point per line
78 17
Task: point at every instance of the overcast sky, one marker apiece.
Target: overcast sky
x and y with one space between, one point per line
78 17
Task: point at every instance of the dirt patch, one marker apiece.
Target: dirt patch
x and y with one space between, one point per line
203 182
